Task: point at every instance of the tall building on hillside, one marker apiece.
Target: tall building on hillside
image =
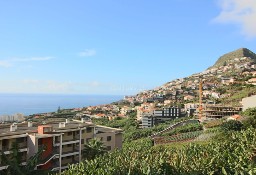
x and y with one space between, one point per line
63 142
159 116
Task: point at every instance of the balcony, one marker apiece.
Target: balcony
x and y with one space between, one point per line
7 150
55 166
48 159
66 142
3 167
70 153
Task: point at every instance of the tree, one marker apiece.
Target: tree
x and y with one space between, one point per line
59 110
94 148
15 159
250 112
232 125
250 121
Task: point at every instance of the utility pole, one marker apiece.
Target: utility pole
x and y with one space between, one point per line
200 98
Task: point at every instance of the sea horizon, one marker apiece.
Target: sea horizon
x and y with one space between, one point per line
33 103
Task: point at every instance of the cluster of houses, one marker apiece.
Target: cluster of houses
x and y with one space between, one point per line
179 97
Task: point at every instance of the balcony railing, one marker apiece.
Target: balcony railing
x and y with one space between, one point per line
67 142
48 159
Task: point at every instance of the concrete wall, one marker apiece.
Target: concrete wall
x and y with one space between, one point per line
249 102
67 148
32 145
67 137
119 140
107 143
66 160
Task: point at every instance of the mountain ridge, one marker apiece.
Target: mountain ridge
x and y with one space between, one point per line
239 53
226 79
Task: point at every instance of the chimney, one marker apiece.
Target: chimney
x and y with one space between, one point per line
67 121
13 127
62 125
82 120
30 124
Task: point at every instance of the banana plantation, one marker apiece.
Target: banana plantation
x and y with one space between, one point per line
234 153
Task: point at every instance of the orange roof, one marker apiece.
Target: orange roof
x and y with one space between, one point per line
252 79
236 116
100 115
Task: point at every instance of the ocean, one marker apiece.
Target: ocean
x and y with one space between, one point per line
28 104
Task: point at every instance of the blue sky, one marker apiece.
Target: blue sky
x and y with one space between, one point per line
116 47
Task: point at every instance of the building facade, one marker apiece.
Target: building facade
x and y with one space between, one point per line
159 116
62 142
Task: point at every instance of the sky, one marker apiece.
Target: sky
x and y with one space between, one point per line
116 47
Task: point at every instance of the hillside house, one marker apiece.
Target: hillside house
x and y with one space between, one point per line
252 81
189 97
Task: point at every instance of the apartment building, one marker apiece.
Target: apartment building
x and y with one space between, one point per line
62 142
146 109
148 121
159 116
8 136
218 111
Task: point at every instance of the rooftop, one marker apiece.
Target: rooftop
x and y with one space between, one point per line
23 128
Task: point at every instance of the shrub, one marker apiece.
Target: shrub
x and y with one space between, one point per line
232 125
214 123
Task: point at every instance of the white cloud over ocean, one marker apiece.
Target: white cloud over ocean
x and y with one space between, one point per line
87 53
12 61
241 12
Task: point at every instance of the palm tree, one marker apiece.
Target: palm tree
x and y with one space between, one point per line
15 159
94 148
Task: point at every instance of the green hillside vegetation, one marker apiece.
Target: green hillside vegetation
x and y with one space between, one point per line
231 150
239 53
237 93
214 147
234 154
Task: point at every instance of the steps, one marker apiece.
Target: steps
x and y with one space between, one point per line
173 126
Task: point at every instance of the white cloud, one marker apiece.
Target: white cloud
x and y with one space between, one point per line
241 12
46 86
4 63
31 85
30 81
31 59
10 62
87 53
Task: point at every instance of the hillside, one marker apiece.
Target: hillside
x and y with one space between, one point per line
184 145
225 82
239 53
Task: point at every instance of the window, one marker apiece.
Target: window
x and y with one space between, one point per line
87 140
70 145
108 148
108 138
21 139
5 142
70 133
40 141
82 141
88 130
57 139
82 131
